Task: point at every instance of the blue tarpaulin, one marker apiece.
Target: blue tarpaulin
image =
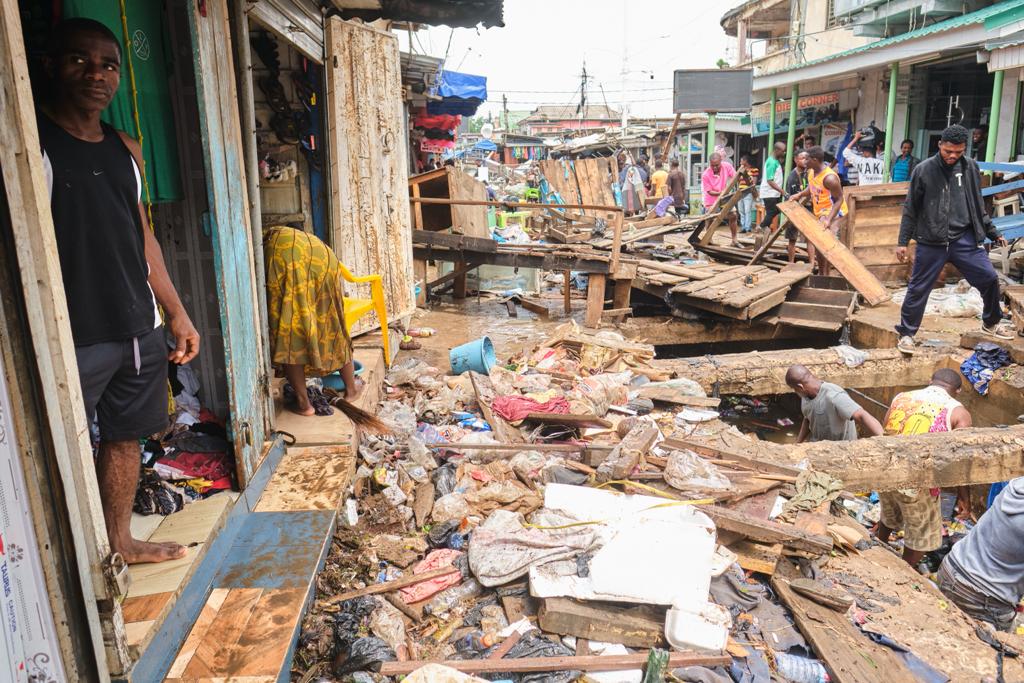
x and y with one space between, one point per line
463 86
486 146
462 94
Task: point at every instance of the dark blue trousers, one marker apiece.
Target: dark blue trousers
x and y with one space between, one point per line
973 263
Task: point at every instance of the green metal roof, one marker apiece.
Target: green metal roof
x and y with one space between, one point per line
994 16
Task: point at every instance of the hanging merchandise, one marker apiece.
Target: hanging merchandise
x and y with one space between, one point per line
142 105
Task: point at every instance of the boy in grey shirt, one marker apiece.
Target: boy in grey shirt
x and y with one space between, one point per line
984 573
829 412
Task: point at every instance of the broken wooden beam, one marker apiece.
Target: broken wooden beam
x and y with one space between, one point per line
767 531
764 373
630 625
388 586
919 461
848 655
836 253
628 452
568 663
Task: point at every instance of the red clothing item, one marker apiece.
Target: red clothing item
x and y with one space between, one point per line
516 408
435 559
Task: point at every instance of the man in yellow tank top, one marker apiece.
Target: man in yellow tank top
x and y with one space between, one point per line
827 201
917 511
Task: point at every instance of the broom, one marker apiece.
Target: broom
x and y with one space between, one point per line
360 418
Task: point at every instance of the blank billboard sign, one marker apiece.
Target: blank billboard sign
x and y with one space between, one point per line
712 90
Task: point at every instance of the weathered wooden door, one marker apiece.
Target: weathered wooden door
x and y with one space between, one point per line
229 223
371 228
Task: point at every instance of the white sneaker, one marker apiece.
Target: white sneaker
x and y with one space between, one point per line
906 345
1001 330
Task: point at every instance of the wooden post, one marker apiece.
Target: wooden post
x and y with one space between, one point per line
670 138
616 241
595 299
566 292
459 289
419 267
621 292
417 208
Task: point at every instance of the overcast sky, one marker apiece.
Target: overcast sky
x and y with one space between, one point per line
537 58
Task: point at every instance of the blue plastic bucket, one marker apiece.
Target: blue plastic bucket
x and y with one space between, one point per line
477 355
334 380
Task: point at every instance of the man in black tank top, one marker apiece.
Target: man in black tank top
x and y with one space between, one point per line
113 271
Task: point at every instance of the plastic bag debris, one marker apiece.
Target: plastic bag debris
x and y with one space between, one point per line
400 417
444 480
852 357
685 470
450 597
535 645
451 507
365 654
657 664
386 623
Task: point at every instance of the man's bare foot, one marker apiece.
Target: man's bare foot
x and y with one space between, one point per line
308 411
352 393
139 552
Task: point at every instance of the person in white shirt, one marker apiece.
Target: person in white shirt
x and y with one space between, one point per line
870 169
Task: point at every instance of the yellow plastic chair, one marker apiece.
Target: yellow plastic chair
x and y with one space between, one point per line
357 308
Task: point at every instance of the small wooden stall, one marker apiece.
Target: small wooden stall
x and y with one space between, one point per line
448 183
873 227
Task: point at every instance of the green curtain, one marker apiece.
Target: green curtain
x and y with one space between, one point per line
151 60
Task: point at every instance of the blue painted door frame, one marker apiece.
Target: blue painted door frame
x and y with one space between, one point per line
229 223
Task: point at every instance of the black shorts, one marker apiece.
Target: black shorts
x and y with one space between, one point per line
791 232
771 210
124 384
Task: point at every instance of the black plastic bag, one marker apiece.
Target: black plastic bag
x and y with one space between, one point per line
533 644
364 654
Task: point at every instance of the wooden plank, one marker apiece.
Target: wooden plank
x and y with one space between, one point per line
836 253
595 299
721 211
388 586
691 272
766 531
749 313
443 239
310 478
567 292
756 557
848 655
542 664
669 395
631 625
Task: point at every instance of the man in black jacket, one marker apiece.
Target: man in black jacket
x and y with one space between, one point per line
945 214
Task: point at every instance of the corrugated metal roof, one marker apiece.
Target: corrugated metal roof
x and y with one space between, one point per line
968 19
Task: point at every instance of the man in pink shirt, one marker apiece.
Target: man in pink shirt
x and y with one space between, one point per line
713 182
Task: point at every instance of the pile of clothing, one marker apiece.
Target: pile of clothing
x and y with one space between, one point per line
981 366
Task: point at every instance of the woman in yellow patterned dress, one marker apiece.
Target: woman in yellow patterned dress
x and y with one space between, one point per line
305 305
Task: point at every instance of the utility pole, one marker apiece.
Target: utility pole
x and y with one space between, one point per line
504 108
625 68
582 108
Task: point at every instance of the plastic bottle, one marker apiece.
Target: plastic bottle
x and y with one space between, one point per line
800 669
450 597
421 332
474 642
